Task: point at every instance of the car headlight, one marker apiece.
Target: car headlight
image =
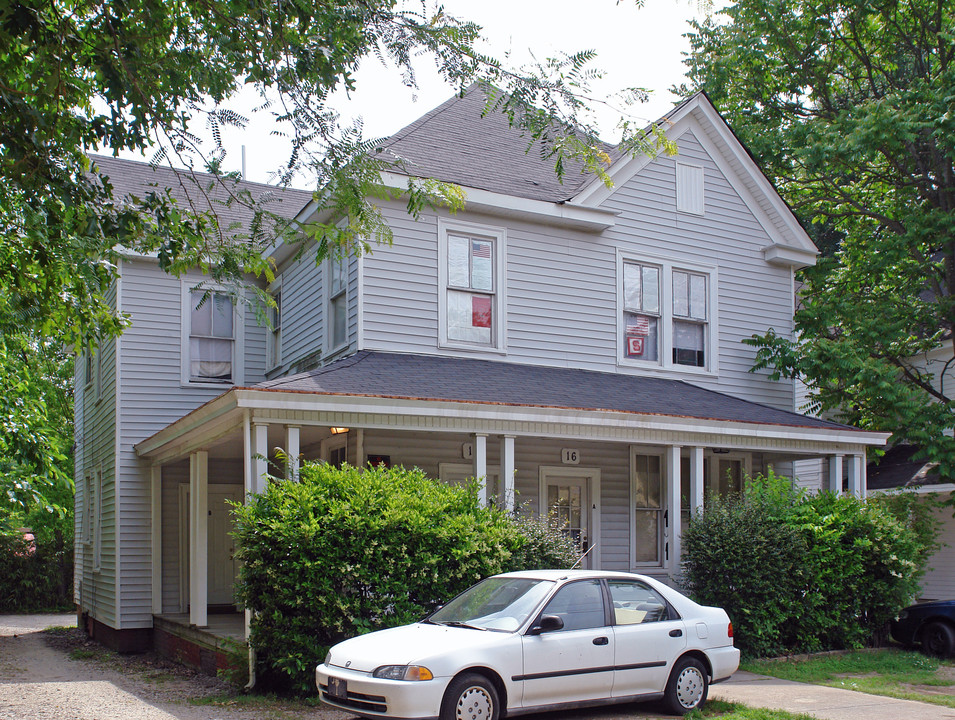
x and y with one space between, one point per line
403 672
904 614
328 658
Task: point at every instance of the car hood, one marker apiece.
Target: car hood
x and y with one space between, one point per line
409 645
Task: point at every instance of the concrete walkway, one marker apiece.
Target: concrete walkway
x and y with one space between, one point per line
822 702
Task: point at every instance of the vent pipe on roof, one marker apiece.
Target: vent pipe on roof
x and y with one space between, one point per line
243 162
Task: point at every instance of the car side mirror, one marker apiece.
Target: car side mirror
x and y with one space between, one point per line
548 623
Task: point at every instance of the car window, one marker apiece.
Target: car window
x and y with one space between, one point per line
635 602
579 605
497 603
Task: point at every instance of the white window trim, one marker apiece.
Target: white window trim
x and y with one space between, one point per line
654 451
499 236
274 289
665 364
238 338
679 207
330 349
98 372
86 534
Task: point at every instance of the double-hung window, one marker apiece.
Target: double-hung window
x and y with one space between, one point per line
471 286
211 337
337 316
275 331
667 315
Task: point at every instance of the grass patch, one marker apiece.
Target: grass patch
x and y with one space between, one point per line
59 630
82 654
253 702
892 673
720 710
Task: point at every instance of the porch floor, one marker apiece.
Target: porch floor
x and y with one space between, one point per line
228 626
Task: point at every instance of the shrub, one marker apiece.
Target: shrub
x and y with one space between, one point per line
346 551
799 572
38 575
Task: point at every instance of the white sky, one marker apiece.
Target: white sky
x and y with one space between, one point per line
635 47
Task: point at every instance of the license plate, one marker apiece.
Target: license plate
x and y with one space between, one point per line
338 688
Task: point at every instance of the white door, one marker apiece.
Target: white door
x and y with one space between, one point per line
570 500
222 567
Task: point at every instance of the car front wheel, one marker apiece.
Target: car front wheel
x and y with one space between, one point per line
938 639
470 697
687 687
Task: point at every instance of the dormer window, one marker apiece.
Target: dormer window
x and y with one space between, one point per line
471 286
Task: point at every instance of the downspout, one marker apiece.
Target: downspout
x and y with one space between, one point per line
247 467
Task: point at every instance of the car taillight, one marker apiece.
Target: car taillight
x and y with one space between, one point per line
729 630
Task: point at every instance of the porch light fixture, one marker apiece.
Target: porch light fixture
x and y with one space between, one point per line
338 430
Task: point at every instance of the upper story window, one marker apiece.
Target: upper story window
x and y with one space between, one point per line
211 337
471 296
337 302
666 315
274 348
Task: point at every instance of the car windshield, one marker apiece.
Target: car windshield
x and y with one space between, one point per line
498 603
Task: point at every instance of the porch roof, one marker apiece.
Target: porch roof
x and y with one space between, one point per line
429 377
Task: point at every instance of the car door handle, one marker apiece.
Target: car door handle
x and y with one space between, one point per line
600 641
676 633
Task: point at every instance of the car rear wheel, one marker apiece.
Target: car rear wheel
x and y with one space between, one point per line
938 638
470 697
687 687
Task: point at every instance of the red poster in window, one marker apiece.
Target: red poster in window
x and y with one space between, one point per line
480 311
634 346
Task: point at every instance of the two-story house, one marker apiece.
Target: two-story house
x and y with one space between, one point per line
577 346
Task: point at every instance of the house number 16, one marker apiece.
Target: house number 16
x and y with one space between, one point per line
569 456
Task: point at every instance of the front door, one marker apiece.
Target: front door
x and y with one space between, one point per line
222 568
570 497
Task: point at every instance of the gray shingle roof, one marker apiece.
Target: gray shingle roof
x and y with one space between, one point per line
130 177
455 143
427 377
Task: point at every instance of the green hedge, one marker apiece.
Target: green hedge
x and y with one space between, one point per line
343 552
799 572
37 576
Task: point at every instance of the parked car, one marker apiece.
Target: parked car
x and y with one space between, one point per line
930 624
538 640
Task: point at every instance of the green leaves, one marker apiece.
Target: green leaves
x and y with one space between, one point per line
849 108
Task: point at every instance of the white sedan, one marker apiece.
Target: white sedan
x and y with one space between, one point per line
538 640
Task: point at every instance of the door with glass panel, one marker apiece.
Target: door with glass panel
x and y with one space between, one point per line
648 510
567 511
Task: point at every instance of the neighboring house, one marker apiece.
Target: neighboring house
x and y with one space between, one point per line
577 346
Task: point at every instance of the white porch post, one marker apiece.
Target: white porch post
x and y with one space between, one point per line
507 470
673 510
156 536
835 474
856 468
199 538
696 480
480 466
260 450
292 450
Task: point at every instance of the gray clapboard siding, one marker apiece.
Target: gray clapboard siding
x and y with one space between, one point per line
303 299
152 397
939 581
96 589
562 285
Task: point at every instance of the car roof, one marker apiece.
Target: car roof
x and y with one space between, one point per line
556 575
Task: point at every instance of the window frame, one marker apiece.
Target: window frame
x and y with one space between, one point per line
647 451
682 193
273 339
498 238
238 338
96 515
331 347
665 332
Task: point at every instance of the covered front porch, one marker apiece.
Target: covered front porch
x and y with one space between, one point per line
617 474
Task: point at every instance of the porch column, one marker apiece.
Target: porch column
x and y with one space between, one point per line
507 471
480 466
260 450
156 536
673 511
835 474
696 480
198 538
292 450
856 469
